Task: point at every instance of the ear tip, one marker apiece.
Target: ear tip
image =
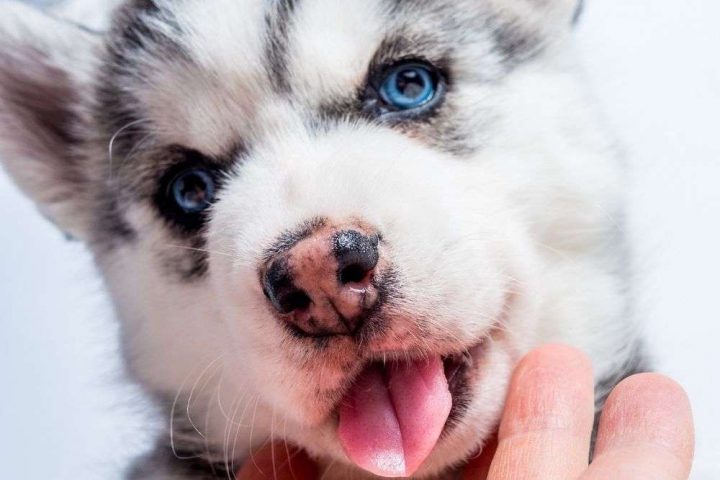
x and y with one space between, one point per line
579 8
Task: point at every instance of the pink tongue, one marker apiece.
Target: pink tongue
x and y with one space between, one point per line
391 420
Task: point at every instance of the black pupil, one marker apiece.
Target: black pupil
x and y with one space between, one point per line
410 83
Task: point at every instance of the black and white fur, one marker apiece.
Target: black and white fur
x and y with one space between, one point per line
502 208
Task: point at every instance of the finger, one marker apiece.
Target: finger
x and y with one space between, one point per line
278 462
646 431
547 423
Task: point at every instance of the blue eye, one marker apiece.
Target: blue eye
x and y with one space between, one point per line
409 86
193 190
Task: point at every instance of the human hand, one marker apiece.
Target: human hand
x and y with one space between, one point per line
646 430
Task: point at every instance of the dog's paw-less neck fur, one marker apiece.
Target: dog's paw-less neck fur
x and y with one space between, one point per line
495 208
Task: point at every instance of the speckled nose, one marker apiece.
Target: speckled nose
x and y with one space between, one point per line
323 285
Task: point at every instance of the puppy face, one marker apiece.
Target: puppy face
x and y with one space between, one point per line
302 208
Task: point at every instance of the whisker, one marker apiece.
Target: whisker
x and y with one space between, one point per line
327 470
111 143
287 451
172 417
202 250
210 454
252 431
229 466
239 425
272 444
192 392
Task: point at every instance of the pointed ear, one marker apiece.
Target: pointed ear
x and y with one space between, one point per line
46 72
564 11
579 8
550 13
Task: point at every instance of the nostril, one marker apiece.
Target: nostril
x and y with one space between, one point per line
279 289
292 301
354 273
357 256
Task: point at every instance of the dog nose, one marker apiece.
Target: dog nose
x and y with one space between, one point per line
323 284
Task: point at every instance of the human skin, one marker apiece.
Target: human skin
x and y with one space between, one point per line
646 429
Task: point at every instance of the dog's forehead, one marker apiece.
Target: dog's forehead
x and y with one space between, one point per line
332 43
201 72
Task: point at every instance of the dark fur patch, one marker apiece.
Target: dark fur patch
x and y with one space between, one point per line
134 30
405 44
132 36
277 23
111 228
187 263
513 41
145 5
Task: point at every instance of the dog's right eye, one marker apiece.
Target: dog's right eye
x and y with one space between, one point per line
193 190
188 190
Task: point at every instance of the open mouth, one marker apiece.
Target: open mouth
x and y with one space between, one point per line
395 413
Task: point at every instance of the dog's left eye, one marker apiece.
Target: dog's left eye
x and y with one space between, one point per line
409 86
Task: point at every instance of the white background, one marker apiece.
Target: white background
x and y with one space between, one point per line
66 411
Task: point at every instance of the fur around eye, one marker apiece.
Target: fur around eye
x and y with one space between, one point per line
187 190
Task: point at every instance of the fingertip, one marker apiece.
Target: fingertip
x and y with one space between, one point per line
548 389
646 426
548 416
648 408
654 387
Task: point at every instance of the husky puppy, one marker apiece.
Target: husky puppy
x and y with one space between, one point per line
337 223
